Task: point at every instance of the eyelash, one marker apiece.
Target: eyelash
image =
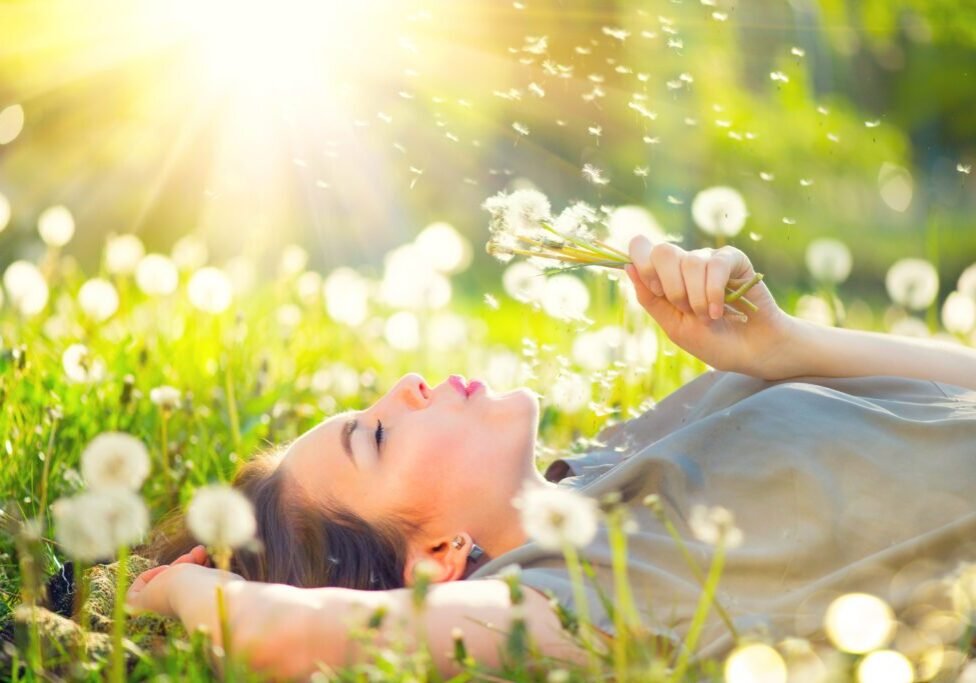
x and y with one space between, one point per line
379 434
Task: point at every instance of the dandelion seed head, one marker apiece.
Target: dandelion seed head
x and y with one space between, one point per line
189 253
815 309
896 186
958 313
859 623
56 226
967 282
221 517
123 253
885 666
912 283
444 248
565 297
714 524
115 459
93 525
719 211
26 287
828 260
156 275
80 366
210 290
98 299
755 663
402 331
554 517
294 259
165 396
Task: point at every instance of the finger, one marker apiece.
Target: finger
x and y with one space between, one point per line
667 263
145 577
200 556
660 308
693 266
716 278
640 255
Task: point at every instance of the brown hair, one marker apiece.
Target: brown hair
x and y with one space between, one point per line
301 542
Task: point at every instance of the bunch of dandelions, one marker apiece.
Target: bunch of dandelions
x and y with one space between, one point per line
521 224
222 518
105 520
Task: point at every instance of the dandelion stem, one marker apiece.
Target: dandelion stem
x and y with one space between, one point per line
625 615
81 610
164 444
582 607
118 616
701 611
580 243
235 426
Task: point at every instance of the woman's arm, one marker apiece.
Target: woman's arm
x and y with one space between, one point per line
679 288
289 632
836 352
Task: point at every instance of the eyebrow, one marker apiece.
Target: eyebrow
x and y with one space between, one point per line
345 438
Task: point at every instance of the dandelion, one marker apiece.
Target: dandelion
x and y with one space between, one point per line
4 212
444 248
210 290
221 517
11 123
166 397
98 299
80 366
595 175
958 313
815 309
719 211
755 663
714 524
859 623
156 275
93 525
402 331
885 666
828 260
56 226
123 253
896 186
293 260
346 295
115 459
26 287
565 297
966 283
626 222
189 253
554 518
519 212
912 283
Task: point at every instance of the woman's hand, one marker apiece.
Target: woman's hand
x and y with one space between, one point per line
685 293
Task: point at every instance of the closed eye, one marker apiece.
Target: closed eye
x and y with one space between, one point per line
379 436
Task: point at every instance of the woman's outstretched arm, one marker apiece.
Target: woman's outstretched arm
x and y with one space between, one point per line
290 632
684 291
837 352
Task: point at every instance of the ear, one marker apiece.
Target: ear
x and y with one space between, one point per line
451 562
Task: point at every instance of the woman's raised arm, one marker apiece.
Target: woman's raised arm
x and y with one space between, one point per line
681 289
289 632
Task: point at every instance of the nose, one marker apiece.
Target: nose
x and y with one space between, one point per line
411 390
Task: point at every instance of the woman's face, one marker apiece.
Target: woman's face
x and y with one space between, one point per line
455 456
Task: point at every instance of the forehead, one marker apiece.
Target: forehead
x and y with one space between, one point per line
317 460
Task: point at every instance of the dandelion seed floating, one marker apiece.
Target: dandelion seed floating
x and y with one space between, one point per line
522 224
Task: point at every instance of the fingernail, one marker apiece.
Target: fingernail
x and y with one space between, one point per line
715 310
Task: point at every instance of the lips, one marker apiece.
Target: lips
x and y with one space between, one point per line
465 388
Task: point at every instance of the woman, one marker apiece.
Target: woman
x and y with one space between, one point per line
837 483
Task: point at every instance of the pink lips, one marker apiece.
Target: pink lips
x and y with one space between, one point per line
466 390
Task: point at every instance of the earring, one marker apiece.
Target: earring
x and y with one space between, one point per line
457 542
476 550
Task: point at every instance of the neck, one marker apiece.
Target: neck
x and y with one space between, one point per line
507 533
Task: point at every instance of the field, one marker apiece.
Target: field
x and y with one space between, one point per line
220 226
